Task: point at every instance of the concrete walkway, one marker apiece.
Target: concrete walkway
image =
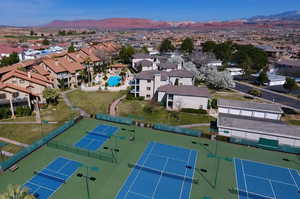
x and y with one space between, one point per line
26 122
194 125
13 142
69 104
114 105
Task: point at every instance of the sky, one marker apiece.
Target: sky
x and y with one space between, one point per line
39 12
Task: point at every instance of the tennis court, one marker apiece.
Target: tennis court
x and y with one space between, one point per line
163 171
47 181
257 180
95 138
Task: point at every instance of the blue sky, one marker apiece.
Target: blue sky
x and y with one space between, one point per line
37 12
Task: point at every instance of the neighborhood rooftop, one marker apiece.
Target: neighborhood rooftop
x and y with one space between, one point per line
256 125
186 90
249 105
149 75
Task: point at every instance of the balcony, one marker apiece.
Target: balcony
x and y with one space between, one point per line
134 83
135 91
17 100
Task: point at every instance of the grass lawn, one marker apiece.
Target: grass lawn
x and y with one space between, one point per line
204 129
94 102
232 95
28 133
134 109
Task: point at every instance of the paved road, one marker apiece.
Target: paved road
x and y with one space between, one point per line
194 125
269 95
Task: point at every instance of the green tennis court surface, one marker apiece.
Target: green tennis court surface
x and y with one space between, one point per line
214 170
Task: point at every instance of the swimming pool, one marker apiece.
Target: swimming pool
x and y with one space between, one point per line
113 80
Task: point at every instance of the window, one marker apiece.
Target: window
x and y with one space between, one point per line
2 96
148 81
22 81
16 94
148 88
147 96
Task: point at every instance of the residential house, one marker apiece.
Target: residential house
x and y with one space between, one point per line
183 96
63 72
146 83
288 67
12 96
136 62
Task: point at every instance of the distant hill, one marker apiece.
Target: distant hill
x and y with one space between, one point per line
291 18
290 15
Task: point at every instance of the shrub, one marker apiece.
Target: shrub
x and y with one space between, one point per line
149 109
255 92
213 103
5 113
190 110
130 96
23 111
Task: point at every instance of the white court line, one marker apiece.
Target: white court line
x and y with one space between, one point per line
139 194
245 179
186 169
162 156
267 179
294 179
256 194
264 164
139 171
130 174
161 174
237 183
272 189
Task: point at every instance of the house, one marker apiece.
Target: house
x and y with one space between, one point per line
62 71
146 83
137 58
250 109
33 82
6 50
215 63
287 67
183 96
234 71
274 80
12 96
255 129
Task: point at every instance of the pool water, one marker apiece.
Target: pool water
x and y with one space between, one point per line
114 80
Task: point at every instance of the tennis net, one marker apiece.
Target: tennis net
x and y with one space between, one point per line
164 173
101 134
43 174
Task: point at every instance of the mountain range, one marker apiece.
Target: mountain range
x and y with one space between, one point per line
283 19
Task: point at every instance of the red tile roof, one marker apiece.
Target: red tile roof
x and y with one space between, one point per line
13 86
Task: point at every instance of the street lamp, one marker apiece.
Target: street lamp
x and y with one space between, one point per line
113 150
87 177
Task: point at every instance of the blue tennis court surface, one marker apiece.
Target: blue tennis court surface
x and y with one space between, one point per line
47 181
98 136
144 183
262 181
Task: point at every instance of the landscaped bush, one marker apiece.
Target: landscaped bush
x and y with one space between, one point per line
23 111
130 96
213 103
255 92
5 113
149 109
190 110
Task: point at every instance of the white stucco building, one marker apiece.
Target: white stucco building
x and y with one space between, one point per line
250 109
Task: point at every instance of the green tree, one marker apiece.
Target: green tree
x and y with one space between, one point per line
263 78
71 49
290 84
166 46
31 32
51 95
246 66
16 192
11 59
62 33
126 54
298 55
187 45
144 50
208 46
46 42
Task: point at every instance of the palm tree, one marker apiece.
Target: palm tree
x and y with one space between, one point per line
16 192
88 62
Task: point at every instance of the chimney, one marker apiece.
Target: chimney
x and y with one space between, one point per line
29 74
